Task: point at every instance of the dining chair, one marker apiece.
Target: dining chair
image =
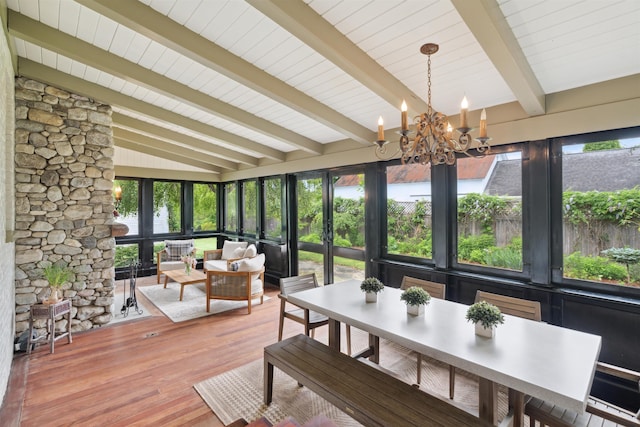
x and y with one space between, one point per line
519 307
598 412
436 290
310 319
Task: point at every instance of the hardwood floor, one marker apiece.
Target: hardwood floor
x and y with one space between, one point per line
139 372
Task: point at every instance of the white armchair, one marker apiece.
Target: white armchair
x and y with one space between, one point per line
169 258
245 281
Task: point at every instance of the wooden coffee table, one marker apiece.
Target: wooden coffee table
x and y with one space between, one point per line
181 277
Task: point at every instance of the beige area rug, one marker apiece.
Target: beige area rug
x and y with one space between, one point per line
238 393
193 304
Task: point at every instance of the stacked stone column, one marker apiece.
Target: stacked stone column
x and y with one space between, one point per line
64 207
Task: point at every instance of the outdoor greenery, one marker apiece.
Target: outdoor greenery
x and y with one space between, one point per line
488 315
409 230
602 145
205 207
626 256
618 207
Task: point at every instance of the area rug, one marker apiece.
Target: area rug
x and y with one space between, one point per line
238 393
193 304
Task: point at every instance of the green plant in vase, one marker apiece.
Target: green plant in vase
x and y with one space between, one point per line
57 276
486 317
416 298
371 286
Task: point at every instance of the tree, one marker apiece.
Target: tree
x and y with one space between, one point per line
602 145
626 256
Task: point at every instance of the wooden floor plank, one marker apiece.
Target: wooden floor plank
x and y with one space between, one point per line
141 371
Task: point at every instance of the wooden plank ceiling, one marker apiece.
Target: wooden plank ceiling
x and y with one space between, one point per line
220 86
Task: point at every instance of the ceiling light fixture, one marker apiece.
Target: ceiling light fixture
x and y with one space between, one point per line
432 141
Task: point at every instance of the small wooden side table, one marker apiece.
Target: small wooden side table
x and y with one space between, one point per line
50 312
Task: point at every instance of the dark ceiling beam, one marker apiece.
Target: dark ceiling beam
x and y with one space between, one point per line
49 38
73 84
145 20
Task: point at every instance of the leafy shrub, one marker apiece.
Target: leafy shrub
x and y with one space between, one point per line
506 257
311 238
341 241
480 207
578 266
126 254
467 244
626 256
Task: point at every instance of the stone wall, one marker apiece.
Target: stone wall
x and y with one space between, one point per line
7 272
64 207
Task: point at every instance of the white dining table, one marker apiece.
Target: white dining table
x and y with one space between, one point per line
530 358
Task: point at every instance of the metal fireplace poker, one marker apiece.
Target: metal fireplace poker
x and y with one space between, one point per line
131 301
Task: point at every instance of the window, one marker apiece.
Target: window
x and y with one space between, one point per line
126 211
205 244
601 212
409 210
273 208
167 208
249 207
205 208
125 255
490 211
230 207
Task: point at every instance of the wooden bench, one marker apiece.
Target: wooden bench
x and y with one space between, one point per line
367 394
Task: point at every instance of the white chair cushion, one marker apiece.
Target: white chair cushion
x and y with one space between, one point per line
171 265
216 265
251 264
229 248
250 252
239 253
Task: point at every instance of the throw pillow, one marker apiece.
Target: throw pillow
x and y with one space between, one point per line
229 247
238 253
177 248
251 264
250 252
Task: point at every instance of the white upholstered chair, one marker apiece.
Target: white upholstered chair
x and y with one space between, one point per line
218 259
243 281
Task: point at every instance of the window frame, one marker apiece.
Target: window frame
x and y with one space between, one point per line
527 212
556 213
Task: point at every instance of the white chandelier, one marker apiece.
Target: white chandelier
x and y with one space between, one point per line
432 140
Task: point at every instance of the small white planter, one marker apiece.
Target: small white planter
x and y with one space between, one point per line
485 332
415 310
371 296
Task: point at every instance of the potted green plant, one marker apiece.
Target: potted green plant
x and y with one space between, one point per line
371 286
57 276
416 298
486 317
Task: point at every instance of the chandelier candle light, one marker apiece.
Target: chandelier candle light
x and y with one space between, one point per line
433 141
